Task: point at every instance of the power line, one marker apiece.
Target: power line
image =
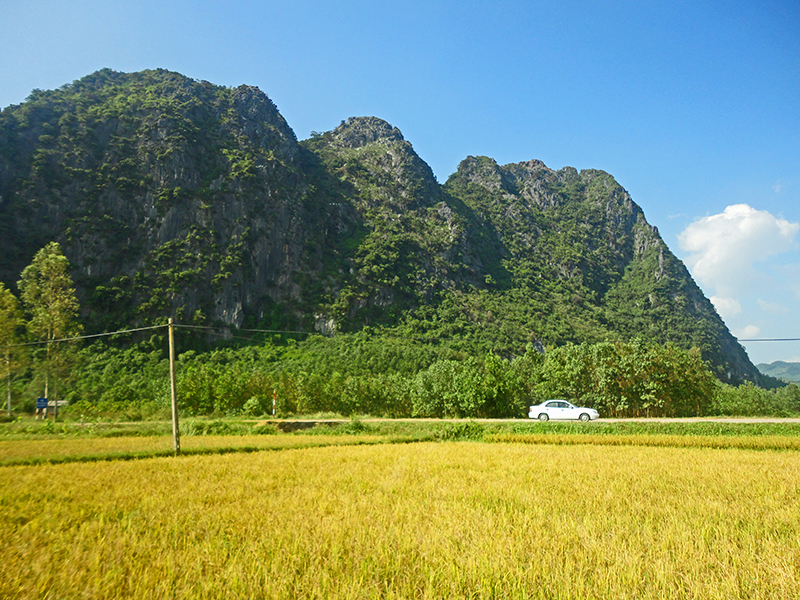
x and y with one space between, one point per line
85 337
218 333
226 332
772 340
227 335
221 331
215 329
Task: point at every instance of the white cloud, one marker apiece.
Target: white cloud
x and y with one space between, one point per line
775 308
724 247
779 187
748 332
726 307
791 274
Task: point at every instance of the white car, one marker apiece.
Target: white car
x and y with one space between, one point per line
561 410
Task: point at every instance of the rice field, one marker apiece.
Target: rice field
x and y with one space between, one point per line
749 442
424 520
62 450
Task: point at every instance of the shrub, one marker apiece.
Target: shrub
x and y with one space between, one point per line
469 430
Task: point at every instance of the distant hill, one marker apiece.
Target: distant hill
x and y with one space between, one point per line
789 371
176 197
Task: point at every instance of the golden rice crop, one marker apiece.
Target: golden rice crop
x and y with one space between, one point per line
750 442
67 449
426 520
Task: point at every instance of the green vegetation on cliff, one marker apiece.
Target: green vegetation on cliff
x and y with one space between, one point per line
375 371
175 197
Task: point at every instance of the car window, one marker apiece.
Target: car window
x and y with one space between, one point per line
553 404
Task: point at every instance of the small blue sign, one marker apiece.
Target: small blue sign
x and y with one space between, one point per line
41 403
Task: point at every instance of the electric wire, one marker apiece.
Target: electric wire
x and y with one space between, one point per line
206 328
220 331
226 333
85 337
771 340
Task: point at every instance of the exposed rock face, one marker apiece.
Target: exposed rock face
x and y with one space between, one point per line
381 164
168 195
173 197
584 232
413 240
358 132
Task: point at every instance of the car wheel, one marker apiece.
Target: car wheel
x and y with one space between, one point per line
584 417
543 417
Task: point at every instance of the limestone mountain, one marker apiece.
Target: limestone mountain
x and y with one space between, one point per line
587 259
175 197
169 196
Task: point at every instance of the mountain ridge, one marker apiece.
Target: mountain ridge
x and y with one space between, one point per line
175 197
786 370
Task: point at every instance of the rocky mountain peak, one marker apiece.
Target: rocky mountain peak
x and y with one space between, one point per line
534 165
482 171
357 132
257 116
369 150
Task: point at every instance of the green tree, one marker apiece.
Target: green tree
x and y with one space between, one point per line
48 296
10 324
637 378
449 388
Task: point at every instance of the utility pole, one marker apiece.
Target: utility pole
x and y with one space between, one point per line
8 368
176 438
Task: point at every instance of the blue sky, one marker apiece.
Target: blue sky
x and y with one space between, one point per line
692 106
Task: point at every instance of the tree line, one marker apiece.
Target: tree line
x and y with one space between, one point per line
636 379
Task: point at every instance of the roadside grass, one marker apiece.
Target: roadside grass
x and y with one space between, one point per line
427 520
